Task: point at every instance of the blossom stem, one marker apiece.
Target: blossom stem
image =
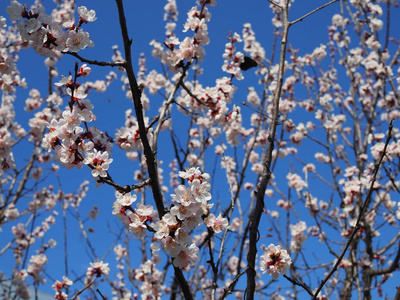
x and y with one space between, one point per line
84 288
94 62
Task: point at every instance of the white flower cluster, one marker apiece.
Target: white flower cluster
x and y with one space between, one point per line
72 144
277 20
97 268
298 236
128 137
251 46
46 36
149 277
354 184
58 287
191 204
122 291
190 48
36 266
214 98
233 59
296 182
6 141
190 208
275 261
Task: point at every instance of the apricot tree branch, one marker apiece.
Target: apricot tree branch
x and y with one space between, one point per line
266 175
84 288
311 12
364 206
151 159
95 62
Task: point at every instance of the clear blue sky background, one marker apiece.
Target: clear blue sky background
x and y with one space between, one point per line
145 21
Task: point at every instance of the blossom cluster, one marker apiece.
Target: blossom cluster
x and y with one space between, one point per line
128 136
36 266
9 127
149 277
275 261
75 146
190 206
190 209
46 36
298 235
190 48
96 269
233 58
58 287
7 159
171 16
251 45
120 290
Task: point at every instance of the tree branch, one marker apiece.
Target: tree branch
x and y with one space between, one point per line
365 204
95 62
148 152
312 12
261 187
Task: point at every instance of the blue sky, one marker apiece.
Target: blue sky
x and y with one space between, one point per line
145 24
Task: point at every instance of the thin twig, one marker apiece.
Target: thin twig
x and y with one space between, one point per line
187 90
365 204
297 282
228 290
311 12
84 288
95 62
101 295
275 4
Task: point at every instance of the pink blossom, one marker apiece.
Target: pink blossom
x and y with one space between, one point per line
78 40
84 70
236 224
137 225
15 10
73 119
185 256
216 224
125 199
87 15
295 182
275 261
65 81
298 236
200 191
97 268
59 285
183 211
163 227
99 161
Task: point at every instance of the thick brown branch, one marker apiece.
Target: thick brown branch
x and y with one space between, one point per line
148 151
259 208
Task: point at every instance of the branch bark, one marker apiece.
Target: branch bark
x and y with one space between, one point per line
262 186
151 159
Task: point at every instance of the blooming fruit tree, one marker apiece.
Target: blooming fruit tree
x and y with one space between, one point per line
283 170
